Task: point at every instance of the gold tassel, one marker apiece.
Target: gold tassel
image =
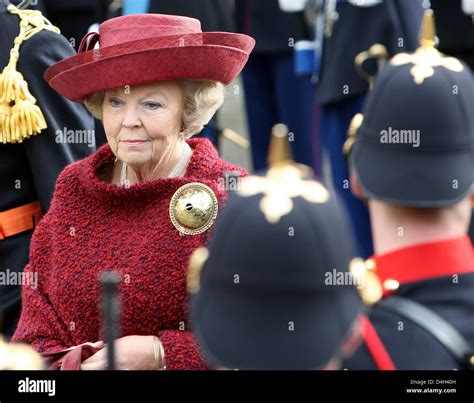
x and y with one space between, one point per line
20 117
26 120
13 86
5 112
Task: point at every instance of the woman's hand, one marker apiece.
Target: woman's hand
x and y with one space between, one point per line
131 353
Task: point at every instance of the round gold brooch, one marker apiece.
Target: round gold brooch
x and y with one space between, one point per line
193 208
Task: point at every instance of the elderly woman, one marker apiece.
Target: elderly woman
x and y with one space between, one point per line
142 203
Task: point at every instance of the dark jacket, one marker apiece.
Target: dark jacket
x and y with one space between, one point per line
451 296
269 25
215 15
355 31
28 170
455 30
74 18
414 348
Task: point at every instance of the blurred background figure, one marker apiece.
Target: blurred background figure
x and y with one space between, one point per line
74 18
455 28
31 158
348 28
275 291
412 160
273 92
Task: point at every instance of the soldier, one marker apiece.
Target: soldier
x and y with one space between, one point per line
275 291
455 29
273 91
349 28
413 161
35 123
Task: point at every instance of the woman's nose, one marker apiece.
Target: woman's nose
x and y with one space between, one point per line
131 118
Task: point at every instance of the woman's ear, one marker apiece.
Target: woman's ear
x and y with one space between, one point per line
355 186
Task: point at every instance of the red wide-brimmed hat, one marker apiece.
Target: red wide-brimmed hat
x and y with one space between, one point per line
143 48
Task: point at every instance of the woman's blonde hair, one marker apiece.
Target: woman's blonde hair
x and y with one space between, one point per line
202 98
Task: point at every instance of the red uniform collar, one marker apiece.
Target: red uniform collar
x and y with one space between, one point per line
424 262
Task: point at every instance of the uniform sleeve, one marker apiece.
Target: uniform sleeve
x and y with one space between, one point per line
39 324
45 155
181 350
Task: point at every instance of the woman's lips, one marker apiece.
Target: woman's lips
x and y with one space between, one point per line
133 143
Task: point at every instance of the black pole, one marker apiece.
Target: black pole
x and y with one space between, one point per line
110 313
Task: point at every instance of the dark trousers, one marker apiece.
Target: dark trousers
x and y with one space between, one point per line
335 120
273 94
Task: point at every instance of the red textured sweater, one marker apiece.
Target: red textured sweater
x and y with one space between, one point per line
93 226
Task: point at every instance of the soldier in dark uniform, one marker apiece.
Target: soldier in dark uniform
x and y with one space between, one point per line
350 27
273 91
32 153
274 292
455 30
413 160
74 18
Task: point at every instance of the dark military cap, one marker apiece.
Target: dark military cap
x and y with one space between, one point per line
415 143
274 291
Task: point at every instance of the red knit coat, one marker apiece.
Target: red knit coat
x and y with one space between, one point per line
94 226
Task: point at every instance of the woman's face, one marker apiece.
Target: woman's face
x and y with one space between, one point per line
143 124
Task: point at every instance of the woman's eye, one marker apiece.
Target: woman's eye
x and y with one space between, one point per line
115 102
152 105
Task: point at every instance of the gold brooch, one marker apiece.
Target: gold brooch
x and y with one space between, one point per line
426 57
193 208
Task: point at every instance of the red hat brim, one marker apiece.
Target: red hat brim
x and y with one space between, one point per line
216 56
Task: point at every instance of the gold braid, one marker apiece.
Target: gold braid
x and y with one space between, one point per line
20 117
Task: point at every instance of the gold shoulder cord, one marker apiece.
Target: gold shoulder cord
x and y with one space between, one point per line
20 117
